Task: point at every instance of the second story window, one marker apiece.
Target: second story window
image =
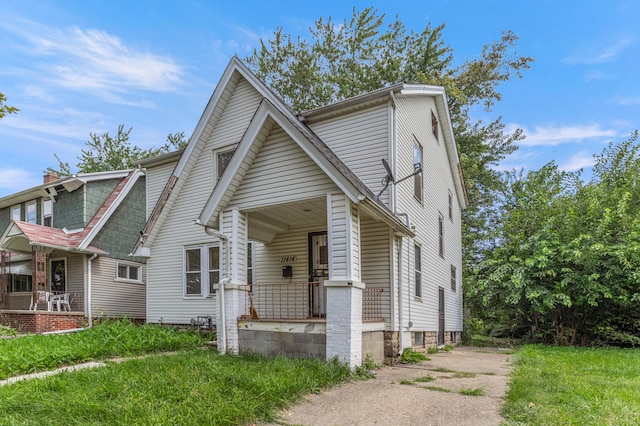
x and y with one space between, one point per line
47 213
417 165
31 212
16 213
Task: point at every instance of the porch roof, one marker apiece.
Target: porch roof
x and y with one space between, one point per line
21 236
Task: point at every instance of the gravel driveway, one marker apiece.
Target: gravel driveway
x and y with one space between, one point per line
399 395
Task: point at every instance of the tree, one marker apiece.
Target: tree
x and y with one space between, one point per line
6 109
566 266
105 152
361 55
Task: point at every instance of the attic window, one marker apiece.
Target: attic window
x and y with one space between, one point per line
222 159
434 125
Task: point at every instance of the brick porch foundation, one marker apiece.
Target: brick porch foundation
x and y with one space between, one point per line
42 322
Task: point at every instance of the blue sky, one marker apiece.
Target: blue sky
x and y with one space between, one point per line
76 67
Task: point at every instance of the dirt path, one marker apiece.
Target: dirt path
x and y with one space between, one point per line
394 397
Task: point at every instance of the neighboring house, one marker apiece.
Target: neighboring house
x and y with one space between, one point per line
64 251
285 220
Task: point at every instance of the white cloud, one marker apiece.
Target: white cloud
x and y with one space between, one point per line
17 179
597 54
552 136
595 75
96 61
626 100
580 160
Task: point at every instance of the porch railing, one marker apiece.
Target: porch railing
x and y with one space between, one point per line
372 304
301 301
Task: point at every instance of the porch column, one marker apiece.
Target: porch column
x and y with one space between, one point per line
344 288
234 226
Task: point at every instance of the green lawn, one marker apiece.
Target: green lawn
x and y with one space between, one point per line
574 386
197 387
106 340
190 387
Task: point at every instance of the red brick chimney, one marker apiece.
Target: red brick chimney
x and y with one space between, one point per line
50 176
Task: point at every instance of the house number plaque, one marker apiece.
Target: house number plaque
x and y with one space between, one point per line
288 259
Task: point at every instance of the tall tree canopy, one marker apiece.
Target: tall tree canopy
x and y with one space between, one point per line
4 108
105 152
566 267
340 60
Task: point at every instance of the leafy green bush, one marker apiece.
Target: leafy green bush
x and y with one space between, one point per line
7 331
409 355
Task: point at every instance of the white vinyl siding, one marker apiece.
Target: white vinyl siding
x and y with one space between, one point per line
414 122
165 302
115 298
376 261
282 172
156 180
351 135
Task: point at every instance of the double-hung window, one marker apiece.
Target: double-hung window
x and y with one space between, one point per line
31 212
214 267
16 212
417 253
454 278
47 212
417 165
201 269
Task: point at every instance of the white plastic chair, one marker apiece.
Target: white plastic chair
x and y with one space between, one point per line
41 297
62 302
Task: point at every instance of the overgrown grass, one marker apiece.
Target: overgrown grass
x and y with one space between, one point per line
568 386
191 387
108 339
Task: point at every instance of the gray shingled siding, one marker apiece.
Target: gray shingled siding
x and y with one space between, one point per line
4 218
120 233
68 210
97 193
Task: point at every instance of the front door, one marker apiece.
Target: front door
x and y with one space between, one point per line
440 316
318 272
58 276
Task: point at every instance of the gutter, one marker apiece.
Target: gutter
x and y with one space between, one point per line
222 346
89 311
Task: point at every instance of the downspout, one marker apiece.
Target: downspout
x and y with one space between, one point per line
89 311
409 324
224 240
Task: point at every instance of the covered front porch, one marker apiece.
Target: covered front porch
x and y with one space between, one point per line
308 278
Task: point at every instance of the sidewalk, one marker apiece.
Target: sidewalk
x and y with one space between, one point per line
395 398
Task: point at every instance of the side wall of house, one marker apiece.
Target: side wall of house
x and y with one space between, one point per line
166 301
113 297
414 122
156 180
361 140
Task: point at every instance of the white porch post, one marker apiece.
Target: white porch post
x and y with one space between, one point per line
234 226
344 289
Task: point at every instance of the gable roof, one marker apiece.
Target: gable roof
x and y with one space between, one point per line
271 108
20 236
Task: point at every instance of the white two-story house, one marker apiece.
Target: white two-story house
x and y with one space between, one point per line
331 233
